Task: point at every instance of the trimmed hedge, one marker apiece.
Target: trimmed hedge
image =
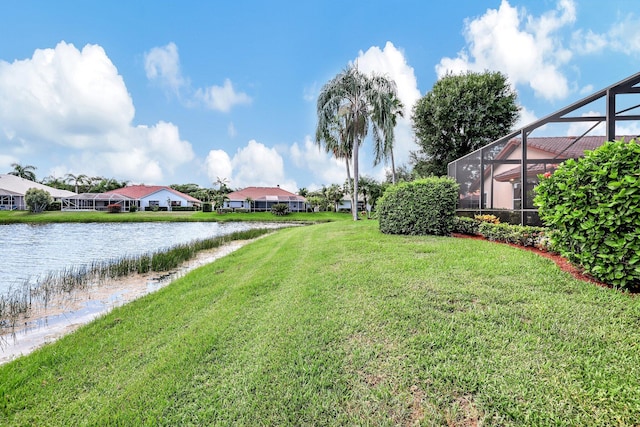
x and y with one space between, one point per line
593 205
522 235
425 206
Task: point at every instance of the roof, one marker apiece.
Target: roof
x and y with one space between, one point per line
18 185
558 147
265 193
141 191
561 147
99 196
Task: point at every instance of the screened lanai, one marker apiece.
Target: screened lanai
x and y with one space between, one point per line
500 177
97 202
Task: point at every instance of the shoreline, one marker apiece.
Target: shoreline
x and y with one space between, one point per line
66 313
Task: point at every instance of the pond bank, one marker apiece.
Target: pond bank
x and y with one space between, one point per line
66 313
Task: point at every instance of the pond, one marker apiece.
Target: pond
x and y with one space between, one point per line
29 252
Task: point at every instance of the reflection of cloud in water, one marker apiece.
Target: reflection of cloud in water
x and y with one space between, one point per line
68 313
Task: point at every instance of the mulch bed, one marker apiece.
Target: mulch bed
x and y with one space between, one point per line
561 262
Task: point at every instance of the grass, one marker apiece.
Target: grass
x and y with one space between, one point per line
337 324
13 217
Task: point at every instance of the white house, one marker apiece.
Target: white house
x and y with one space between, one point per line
13 189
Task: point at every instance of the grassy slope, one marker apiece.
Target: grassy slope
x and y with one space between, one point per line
336 324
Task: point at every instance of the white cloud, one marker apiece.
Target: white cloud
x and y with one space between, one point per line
222 98
578 128
75 104
252 165
163 64
392 62
526 117
527 49
324 167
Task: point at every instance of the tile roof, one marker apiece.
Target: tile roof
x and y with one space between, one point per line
141 191
264 193
564 147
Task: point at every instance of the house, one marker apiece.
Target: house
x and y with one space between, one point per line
499 178
144 197
13 189
263 198
502 181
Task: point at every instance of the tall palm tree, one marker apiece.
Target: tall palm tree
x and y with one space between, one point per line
357 98
388 120
76 179
25 172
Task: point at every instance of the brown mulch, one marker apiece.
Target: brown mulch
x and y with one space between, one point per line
562 263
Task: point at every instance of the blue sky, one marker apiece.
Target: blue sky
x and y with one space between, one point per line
171 92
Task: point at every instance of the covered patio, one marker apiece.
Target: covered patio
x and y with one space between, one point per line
97 202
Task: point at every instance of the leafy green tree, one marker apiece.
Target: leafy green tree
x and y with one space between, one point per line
370 189
189 189
460 114
25 172
37 200
358 99
334 194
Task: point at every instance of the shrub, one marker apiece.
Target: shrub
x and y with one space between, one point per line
280 209
593 206
465 225
488 218
207 207
114 208
37 200
54 206
133 208
522 235
425 206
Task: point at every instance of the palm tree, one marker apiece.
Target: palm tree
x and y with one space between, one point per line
24 172
388 120
357 99
76 179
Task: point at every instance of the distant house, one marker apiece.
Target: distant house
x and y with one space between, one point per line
143 197
13 189
263 198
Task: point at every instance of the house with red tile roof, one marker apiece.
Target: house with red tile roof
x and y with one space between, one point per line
502 181
162 197
263 198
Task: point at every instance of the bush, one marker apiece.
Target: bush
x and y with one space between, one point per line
280 209
207 207
488 218
465 225
37 200
133 208
593 206
54 206
114 208
425 206
522 235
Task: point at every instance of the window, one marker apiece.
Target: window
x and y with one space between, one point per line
154 202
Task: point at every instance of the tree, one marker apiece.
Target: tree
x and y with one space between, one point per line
460 114
334 194
402 174
25 172
388 120
357 99
37 200
76 180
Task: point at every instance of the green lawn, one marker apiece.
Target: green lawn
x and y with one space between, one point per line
12 217
337 324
